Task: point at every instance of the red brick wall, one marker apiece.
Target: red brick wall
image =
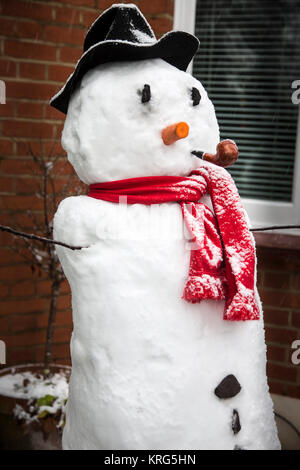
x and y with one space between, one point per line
40 43
279 287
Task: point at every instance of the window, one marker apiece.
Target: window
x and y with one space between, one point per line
249 57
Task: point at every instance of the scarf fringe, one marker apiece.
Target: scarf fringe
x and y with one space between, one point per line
243 307
203 287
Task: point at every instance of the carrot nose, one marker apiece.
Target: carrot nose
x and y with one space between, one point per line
175 132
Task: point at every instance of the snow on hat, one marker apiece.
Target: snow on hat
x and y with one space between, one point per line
122 33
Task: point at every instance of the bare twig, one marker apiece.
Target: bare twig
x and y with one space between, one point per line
5 228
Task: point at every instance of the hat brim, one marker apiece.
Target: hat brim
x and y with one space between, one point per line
176 47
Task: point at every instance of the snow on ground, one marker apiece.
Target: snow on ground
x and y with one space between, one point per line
45 395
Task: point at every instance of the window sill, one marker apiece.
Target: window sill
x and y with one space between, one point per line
277 240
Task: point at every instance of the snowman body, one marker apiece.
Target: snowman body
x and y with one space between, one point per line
145 363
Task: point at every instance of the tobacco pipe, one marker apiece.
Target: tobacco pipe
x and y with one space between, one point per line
226 155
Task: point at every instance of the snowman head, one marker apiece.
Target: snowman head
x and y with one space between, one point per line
116 119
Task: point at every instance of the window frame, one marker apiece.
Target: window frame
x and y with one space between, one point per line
261 212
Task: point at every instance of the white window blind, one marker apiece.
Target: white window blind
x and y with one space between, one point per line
248 58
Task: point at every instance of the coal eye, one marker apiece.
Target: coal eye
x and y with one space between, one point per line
146 94
196 97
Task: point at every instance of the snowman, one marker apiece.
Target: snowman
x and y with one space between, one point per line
168 348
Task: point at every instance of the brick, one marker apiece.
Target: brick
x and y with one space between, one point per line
42 320
15 272
17 167
7 27
69 54
88 17
4 325
23 203
23 323
160 25
23 289
27 129
6 148
7 110
277 387
39 353
63 168
65 287
53 147
58 128
5 239
29 30
280 299
27 186
280 335
26 339
61 185
32 10
155 7
59 73
277 260
25 149
61 351
276 317
62 334
277 280
44 287
87 3
20 356
275 353
296 319
31 91
32 70
64 318
5 256
30 110
8 68
103 4
23 221
3 290
6 186
284 373
296 281
67 15
64 302
64 34
22 306
30 50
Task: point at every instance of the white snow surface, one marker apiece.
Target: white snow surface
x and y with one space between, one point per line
12 385
145 362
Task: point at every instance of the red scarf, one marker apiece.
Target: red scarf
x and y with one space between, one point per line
222 262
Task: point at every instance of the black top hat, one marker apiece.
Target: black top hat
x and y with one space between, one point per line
122 33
